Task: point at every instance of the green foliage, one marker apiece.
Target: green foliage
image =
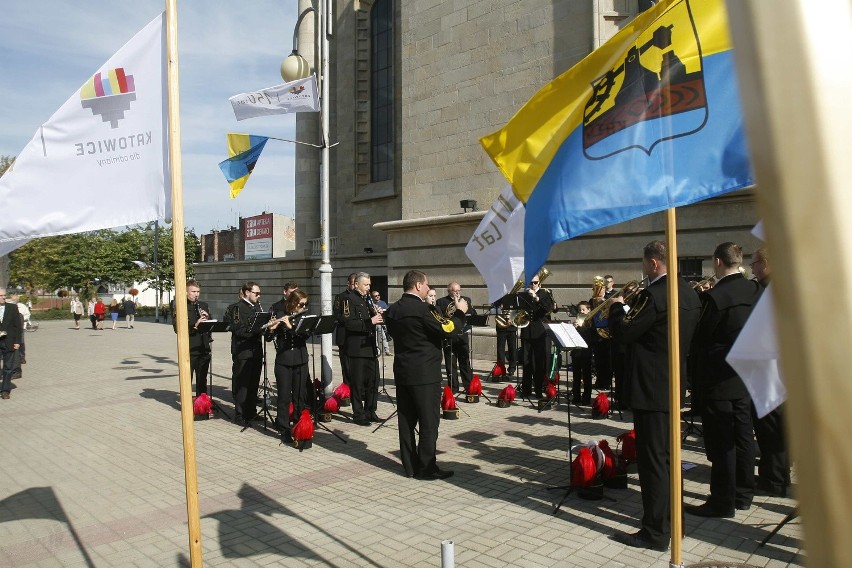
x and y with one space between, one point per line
83 261
5 163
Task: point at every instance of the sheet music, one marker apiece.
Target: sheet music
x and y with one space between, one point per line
566 334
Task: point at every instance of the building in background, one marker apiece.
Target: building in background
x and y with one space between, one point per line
414 85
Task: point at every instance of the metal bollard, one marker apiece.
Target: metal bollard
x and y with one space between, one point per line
448 554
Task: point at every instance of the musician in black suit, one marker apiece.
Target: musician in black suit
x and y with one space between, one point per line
723 398
644 333
292 378
539 304
247 353
773 470
360 319
456 348
199 343
10 342
418 330
340 330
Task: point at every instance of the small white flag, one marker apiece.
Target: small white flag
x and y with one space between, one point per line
101 160
296 96
497 246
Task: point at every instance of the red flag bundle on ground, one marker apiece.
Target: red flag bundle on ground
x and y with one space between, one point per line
628 445
331 405
608 469
499 369
507 394
303 431
600 408
550 390
583 469
343 394
448 401
202 405
475 386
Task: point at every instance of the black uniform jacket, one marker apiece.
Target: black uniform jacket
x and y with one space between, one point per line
417 330
443 304
724 311
360 331
244 345
198 342
645 334
337 310
11 324
291 348
540 311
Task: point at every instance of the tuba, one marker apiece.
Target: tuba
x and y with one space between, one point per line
506 317
523 318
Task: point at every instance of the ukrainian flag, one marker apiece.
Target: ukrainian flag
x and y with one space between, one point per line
244 150
649 121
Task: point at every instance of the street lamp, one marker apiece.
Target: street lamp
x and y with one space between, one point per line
296 67
156 236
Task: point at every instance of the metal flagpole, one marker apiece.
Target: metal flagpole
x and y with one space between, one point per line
186 415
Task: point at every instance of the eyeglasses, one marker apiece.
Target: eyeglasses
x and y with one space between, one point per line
535 282
255 293
302 304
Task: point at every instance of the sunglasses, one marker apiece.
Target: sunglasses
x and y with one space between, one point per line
302 304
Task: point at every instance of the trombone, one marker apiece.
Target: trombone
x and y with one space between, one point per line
630 289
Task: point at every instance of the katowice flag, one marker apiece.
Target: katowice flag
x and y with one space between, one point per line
109 139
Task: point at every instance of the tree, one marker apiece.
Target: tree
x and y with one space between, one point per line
6 163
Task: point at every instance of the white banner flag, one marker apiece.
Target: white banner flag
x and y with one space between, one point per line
101 160
296 96
497 246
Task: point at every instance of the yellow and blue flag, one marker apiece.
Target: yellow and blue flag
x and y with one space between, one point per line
649 121
244 150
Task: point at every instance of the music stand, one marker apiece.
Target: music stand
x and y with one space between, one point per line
213 326
258 324
312 325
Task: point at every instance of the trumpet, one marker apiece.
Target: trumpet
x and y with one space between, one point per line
702 285
630 289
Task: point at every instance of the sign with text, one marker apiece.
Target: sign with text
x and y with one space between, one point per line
258 236
297 96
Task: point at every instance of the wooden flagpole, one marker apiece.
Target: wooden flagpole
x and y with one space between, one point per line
675 477
180 315
793 63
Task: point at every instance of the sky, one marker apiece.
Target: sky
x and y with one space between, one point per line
48 49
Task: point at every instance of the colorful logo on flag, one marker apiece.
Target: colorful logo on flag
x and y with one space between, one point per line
657 93
297 89
109 95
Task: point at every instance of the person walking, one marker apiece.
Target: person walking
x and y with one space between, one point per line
10 342
114 308
129 312
76 311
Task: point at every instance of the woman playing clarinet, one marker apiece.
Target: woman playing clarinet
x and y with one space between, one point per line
291 363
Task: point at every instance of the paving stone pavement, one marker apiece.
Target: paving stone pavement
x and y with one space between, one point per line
92 475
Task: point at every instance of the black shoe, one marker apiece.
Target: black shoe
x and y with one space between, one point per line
639 540
766 488
742 506
286 438
362 422
708 510
374 417
510 371
436 474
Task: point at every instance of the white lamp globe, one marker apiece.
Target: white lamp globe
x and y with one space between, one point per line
295 67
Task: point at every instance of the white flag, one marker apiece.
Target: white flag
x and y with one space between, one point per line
101 160
296 96
497 246
754 356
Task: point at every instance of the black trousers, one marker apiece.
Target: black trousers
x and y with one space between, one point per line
457 362
294 385
729 444
418 405
344 365
364 386
9 358
652 453
199 365
774 466
535 365
581 360
244 385
507 346
603 364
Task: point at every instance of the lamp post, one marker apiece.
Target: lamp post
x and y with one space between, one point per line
156 236
296 67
